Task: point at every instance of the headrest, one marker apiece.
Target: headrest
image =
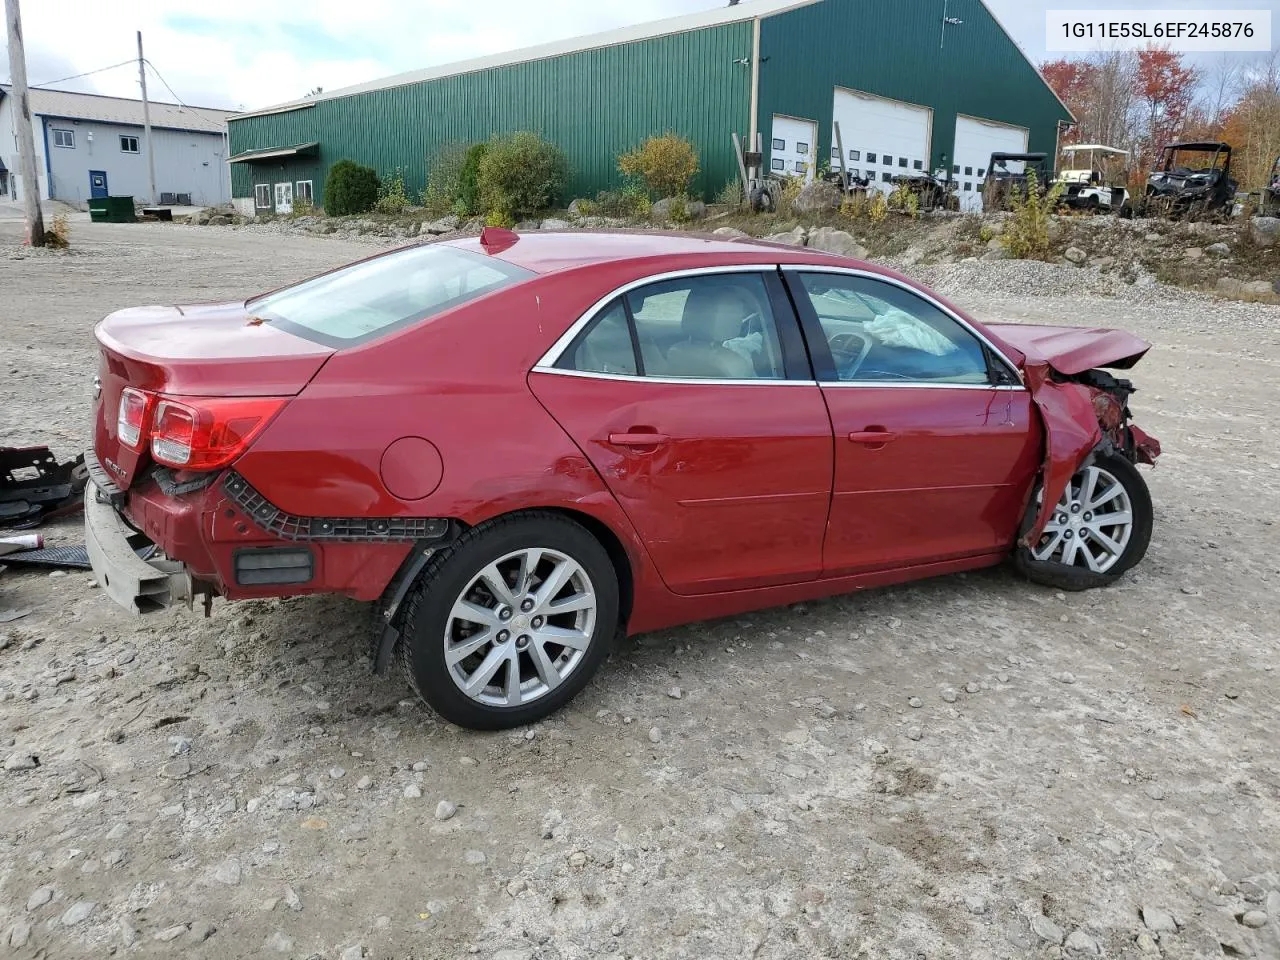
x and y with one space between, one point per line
714 313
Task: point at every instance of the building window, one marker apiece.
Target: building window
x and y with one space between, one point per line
886 160
968 187
802 148
835 153
304 193
902 161
855 173
779 144
871 158
968 171
128 144
956 168
885 177
64 138
262 196
800 165
919 164
981 172
777 164
855 154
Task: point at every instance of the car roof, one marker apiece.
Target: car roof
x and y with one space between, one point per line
554 251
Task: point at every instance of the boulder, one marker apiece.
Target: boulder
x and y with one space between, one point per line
219 220
1076 255
443 225
1102 263
1153 238
1218 249
996 253
729 232
818 197
1192 253
836 241
1264 231
794 238
678 208
528 225
553 224
575 208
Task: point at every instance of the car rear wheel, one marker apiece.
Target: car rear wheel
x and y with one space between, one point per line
511 623
1100 528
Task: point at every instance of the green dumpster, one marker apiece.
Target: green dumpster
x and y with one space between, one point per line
111 210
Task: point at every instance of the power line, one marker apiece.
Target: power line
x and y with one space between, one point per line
89 73
173 93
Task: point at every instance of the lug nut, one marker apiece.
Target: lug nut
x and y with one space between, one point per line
522 641
1075 508
504 613
1067 535
538 622
504 636
1088 517
526 605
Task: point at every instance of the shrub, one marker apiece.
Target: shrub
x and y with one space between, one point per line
58 236
665 165
302 207
855 206
730 194
877 207
392 198
467 203
444 179
905 200
791 187
520 175
1026 234
627 203
350 188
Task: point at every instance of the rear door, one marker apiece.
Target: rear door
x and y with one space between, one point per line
936 441
693 398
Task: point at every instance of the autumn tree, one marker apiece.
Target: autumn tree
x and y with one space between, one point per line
1166 90
1252 126
1073 82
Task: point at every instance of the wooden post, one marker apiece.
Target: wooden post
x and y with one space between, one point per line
146 125
22 124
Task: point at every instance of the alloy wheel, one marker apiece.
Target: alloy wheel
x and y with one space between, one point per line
1091 525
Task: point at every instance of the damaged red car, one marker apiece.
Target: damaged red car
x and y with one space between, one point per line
520 445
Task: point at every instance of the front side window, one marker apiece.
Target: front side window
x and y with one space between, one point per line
711 327
881 333
64 138
373 298
128 144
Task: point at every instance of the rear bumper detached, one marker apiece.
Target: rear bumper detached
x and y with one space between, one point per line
140 586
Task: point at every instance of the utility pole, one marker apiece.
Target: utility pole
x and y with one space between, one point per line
22 114
146 123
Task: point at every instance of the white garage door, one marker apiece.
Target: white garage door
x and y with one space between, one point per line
794 147
976 141
882 138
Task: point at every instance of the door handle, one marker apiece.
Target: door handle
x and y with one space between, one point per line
638 439
873 436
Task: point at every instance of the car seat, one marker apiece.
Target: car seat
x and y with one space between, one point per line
712 314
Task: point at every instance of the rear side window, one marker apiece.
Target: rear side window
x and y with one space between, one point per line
370 299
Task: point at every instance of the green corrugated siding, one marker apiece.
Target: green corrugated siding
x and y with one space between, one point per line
890 48
594 104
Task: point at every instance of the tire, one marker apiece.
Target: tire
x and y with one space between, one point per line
1045 563
557 547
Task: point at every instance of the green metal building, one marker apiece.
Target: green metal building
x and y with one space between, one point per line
914 85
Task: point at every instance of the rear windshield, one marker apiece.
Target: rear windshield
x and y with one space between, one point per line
370 299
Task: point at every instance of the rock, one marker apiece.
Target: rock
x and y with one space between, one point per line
972 687
443 225
445 810
520 954
915 703
1251 891
910 257
1155 791
1046 929
1264 231
975 905
526 225
1153 238
336 773
292 900
837 241
1273 903
128 935
554 224
877 748
1146 944
228 872
577 860
1254 918
21 761
655 735
279 943
1264 290
1218 249
356 952
1065 677
39 897
364 783
1102 263
818 197
915 733
1157 920
678 208
412 792
18 935
575 207
1193 253
1229 286
999 252
202 930
1076 255
1081 943
78 912
179 745
675 693
950 696
169 934
794 238
729 232
475 857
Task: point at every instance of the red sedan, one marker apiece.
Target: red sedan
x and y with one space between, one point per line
520 445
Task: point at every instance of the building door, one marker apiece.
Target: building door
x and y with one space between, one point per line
976 140
882 138
97 183
284 198
794 147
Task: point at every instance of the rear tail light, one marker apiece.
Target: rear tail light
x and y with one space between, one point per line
205 434
131 420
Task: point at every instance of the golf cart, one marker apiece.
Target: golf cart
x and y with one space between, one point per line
1270 205
1192 180
1094 186
1007 173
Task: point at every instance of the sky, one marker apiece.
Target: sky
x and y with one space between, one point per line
246 54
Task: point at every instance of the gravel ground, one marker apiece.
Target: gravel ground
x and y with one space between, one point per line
966 768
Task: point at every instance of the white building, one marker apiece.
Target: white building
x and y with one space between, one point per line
89 146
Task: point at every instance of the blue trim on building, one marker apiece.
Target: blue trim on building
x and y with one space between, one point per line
48 160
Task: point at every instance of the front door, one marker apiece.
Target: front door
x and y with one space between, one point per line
693 399
97 183
284 198
936 442
793 147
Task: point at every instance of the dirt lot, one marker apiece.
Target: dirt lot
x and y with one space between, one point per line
965 768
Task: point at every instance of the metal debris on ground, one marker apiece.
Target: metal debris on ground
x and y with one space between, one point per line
35 487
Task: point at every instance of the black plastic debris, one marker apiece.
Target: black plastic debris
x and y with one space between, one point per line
34 487
76 557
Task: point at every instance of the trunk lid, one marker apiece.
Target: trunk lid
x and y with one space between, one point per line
208 350
1073 350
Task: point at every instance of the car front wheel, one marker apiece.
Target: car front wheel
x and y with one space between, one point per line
512 622
1100 528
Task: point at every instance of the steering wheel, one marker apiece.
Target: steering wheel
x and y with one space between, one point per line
848 350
